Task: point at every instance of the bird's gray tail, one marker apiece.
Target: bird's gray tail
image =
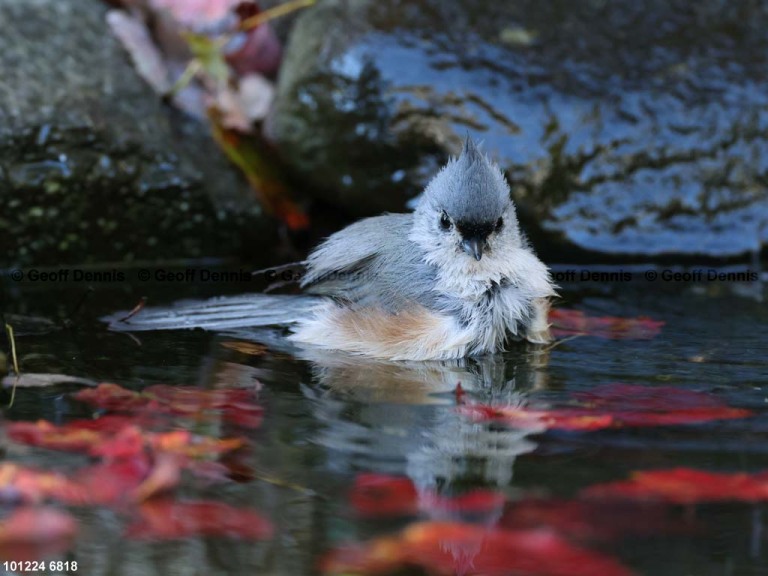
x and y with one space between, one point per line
217 314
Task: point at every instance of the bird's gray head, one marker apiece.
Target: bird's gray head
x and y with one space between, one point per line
466 211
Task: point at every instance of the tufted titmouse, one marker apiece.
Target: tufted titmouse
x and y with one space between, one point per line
454 278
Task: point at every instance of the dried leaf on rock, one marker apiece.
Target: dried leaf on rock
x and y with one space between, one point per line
255 51
136 40
240 107
263 178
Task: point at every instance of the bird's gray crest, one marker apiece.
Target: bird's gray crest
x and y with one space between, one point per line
470 149
470 188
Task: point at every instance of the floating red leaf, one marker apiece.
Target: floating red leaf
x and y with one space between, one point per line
458 548
168 520
567 322
33 534
686 486
614 406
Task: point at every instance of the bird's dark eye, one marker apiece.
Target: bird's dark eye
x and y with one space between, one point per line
499 224
445 221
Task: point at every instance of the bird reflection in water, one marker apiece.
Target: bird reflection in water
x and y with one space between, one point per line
400 417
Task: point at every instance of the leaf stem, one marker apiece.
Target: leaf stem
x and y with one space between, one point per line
274 12
14 358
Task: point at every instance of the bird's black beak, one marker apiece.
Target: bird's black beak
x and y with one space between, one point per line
474 247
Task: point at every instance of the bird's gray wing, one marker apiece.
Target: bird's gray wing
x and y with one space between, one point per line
372 263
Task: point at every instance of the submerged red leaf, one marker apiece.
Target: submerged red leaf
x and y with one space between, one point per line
126 443
589 520
33 534
114 423
169 520
477 501
119 443
383 496
458 548
122 480
634 405
380 495
44 434
184 443
28 485
164 475
98 484
614 406
110 482
237 406
567 322
620 396
112 397
685 486
518 417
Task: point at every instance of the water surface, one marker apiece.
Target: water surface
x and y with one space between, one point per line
329 418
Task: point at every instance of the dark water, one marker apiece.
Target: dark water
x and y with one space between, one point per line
329 418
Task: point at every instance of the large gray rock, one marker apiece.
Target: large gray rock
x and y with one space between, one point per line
626 127
91 167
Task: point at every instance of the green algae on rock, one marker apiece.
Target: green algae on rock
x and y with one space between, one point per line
92 165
